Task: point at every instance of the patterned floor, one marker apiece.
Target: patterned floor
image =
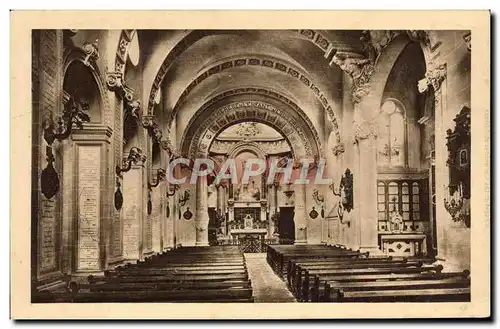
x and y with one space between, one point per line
267 287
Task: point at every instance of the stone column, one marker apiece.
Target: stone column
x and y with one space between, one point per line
272 209
263 210
133 187
201 221
365 182
301 215
91 195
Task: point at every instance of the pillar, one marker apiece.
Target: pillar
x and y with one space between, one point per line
272 210
133 187
201 219
301 215
365 191
92 221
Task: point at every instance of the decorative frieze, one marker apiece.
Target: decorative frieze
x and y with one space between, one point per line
206 130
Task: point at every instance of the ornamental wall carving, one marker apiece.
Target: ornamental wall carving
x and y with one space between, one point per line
267 147
126 37
198 137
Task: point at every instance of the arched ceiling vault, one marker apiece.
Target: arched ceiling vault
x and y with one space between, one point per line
250 104
297 63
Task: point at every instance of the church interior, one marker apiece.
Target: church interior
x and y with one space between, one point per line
385 114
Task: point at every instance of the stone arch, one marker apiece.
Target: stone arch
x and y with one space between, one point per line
78 54
246 146
313 36
201 131
386 61
252 92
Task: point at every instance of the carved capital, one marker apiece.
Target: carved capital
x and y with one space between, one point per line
148 122
360 69
433 77
364 130
133 108
419 36
467 39
114 81
374 41
338 149
92 52
135 156
128 93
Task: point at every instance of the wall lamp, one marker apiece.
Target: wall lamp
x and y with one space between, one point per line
134 156
160 175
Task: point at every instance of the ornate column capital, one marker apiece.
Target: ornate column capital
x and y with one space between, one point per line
359 68
148 122
338 149
116 83
433 77
133 108
467 39
92 52
136 156
364 130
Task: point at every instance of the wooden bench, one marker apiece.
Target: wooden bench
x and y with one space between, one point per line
185 275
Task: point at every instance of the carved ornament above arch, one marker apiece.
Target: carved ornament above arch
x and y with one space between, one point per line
201 132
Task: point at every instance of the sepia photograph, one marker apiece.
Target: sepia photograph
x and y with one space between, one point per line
244 165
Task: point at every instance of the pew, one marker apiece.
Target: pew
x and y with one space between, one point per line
213 274
336 274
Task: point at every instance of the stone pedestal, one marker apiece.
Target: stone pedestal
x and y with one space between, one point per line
201 218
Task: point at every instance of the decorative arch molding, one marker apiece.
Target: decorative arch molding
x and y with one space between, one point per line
126 37
268 93
201 132
82 55
249 146
266 62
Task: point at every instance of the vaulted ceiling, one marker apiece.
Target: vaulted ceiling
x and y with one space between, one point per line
295 64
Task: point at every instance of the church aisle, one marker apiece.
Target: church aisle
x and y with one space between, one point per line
267 287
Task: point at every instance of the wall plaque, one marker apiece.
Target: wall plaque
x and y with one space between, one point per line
131 214
48 229
89 183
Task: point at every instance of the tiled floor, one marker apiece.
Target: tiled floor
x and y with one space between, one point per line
267 287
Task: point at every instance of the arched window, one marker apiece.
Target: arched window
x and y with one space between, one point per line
392 135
